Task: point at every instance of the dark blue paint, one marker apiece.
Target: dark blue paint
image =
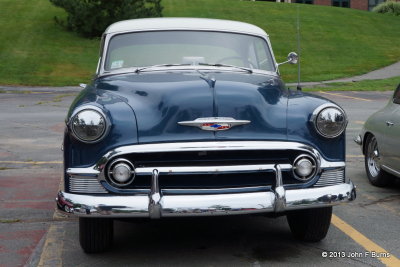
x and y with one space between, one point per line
145 108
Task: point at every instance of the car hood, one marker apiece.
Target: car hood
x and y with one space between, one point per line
162 99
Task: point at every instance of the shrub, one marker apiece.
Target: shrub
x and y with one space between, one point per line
388 7
91 17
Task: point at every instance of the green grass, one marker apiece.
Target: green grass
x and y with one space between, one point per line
36 51
367 85
335 42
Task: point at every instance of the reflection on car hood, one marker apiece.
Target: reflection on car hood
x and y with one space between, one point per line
162 99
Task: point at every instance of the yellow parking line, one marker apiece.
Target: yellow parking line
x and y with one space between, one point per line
53 247
352 97
354 156
366 243
30 162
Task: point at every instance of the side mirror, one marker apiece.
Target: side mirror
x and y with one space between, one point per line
292 58
83 85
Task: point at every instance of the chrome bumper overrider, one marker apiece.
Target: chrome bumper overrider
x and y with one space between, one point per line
157 206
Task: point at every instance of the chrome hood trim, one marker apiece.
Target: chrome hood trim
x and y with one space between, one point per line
214 123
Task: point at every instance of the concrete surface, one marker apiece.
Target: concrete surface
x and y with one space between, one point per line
30 171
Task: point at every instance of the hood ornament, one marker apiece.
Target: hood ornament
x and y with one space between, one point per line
214 123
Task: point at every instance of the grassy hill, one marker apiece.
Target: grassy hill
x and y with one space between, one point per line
335 42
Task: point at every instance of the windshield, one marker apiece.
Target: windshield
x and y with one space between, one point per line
188 47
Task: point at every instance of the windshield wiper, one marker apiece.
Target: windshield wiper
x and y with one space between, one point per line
226 65
157 66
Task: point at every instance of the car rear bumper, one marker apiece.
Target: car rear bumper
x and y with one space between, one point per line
156 205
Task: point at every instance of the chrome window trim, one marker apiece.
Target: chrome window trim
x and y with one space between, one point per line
265 37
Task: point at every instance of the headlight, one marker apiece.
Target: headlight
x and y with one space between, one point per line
330 121
89 125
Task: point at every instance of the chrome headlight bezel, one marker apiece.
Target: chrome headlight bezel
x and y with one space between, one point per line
313 172
97 110
318 111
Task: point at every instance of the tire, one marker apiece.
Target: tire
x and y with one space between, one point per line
310 225
375 174
95 234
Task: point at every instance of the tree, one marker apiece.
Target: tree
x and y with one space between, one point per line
91 17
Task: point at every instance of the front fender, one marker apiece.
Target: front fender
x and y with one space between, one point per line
123 129
301 129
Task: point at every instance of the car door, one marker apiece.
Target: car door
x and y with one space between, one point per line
392 133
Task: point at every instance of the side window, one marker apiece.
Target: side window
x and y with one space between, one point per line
396 96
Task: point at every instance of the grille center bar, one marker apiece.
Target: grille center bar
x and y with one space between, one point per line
155 198
211 169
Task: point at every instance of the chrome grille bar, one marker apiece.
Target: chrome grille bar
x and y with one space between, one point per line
330 177
83 184
211 169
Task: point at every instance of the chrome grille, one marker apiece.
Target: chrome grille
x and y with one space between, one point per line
331 177
79 184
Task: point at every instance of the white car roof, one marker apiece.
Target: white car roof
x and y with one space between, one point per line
184 24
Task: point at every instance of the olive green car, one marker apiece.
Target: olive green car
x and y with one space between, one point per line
380 142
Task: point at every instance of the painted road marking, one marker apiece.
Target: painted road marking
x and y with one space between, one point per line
54 242
30 162
53 247
359 122
352 97
354 156
362 240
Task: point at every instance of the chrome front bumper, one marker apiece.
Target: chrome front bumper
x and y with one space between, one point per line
156 202
157 206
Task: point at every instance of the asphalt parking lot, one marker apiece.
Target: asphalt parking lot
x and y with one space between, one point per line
31 234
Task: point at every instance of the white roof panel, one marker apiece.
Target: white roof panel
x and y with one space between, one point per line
183 24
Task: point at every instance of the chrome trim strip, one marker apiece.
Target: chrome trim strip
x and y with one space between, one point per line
216 146
205 191
210 169
90 171
203 205
392 171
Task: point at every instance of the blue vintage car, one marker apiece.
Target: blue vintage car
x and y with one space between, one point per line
189 117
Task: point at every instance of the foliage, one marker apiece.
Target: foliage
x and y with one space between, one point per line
91 17
335 42
388 7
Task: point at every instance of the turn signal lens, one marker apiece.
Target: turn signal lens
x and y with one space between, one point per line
304 168
122 173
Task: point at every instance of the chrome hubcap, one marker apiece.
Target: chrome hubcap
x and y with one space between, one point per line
373 158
